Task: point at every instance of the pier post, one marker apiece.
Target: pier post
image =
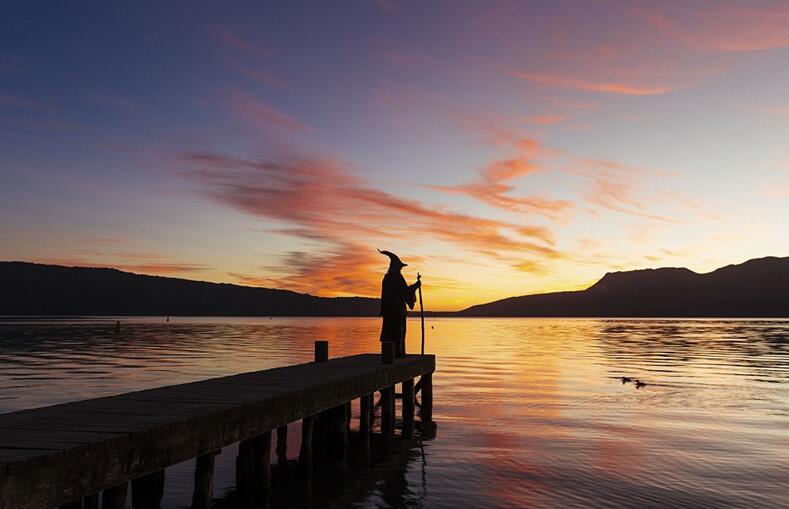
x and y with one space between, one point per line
337 438
365 415
387 412
305 453
253 471
387 352
408 408
148 490
282 446
115 497
427 398
90 501
203 494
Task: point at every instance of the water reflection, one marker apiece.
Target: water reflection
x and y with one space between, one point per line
532 412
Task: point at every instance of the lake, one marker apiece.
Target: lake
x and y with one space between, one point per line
530 412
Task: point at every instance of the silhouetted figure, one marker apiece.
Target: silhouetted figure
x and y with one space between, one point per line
118 327
396 294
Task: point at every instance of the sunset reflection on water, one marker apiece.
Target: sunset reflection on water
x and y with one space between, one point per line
531 412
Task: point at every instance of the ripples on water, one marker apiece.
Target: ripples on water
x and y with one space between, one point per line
531 412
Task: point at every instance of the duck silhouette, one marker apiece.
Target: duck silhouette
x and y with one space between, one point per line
640 384
626 379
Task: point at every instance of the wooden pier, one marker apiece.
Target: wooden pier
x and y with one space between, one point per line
78 453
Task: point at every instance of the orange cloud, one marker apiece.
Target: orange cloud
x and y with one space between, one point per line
546 119
594 86
322 201
493 186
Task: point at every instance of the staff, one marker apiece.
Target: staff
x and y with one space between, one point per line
421 311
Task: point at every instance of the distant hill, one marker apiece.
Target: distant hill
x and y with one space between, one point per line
35 289
756 288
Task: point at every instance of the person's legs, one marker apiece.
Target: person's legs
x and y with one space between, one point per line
400 350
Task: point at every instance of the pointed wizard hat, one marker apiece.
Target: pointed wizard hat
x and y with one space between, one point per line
394 260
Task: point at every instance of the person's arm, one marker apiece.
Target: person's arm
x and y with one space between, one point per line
410 297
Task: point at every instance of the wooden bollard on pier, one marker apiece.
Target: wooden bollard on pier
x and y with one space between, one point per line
311 434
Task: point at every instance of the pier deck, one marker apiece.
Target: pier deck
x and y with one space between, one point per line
55 454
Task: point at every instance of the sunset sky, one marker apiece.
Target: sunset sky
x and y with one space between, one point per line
500 148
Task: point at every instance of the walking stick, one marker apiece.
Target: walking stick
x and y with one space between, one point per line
421 312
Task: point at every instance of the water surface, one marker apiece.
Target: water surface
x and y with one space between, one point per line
531 412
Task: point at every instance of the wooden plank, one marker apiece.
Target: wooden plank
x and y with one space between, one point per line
86 446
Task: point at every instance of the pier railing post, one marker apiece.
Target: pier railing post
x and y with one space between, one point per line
203 494
115 497
408 408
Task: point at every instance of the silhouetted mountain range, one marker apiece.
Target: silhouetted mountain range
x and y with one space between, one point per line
756 288
34 289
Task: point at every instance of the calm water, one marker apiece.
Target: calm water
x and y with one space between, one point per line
531 412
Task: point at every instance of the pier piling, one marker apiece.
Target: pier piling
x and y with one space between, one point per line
115 496
408 408
203 495
148 490
282 446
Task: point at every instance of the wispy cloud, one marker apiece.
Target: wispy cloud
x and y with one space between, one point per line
607 87
494 185
262 114
325 202
615 186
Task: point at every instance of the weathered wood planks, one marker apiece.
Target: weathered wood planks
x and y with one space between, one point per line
55 454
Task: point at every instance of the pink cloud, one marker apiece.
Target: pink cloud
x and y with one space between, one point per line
546 119
260 113
322 201
608 87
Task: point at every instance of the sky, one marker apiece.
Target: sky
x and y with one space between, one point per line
500 148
